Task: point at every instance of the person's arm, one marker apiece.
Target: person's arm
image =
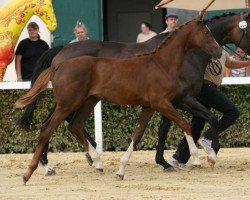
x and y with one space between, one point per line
248 71
18 59
227 72
235 64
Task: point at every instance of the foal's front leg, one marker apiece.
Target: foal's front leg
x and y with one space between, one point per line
166 109
192 106
146 115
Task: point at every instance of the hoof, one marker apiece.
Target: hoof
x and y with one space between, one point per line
25 179
168 169
196 161
100 170
51 172
120 177
196 166
211 161
89 159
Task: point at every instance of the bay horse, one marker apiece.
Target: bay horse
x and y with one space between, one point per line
13 18
149 81
225 30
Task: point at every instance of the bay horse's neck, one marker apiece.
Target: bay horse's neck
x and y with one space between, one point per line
222 26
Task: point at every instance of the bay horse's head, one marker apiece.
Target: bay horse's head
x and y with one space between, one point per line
200 36
44 10
240 32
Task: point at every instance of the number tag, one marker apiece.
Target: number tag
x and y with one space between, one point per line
242 24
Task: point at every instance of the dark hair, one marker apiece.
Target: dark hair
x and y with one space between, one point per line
33 25
147 25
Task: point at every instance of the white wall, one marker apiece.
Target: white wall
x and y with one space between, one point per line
45 34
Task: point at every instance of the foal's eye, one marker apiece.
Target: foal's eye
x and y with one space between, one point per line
206 32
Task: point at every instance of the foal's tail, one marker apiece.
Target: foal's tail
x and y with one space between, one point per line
43 63
39 86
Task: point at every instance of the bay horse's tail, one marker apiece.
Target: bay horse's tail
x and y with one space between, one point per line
43 63
40 85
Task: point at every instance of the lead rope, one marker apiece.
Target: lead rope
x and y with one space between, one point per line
229 48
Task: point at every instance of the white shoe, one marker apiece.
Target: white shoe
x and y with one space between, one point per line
173 162
206 145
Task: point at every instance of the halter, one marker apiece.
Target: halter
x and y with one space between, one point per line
243 27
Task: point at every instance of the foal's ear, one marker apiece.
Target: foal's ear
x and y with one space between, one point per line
201 15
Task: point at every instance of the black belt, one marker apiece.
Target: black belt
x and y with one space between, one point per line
209 83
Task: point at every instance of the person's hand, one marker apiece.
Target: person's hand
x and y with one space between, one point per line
19 79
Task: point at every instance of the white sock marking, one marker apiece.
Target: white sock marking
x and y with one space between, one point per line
193 149
125 158
95 157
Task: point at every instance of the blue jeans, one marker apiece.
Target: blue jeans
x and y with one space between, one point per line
210 97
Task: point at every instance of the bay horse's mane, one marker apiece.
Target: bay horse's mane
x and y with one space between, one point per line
220 16
166 39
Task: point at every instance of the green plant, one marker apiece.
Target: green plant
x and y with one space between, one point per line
118 125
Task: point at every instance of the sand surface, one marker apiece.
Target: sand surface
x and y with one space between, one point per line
75 179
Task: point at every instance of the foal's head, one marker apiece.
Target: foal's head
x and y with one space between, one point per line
201 37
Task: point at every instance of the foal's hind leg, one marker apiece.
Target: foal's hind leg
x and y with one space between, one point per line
169 111
49 170
86 134
76 126
45 134
146 115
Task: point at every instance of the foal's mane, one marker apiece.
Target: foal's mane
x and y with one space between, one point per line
169 37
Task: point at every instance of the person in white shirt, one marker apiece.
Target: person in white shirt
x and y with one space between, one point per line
146 32
80 32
